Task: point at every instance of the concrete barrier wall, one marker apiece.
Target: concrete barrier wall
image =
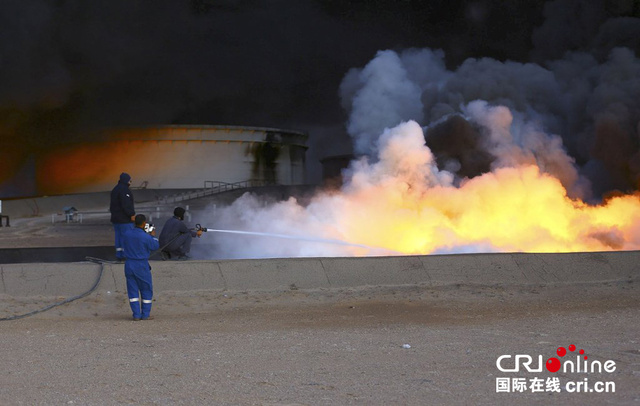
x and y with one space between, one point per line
67 279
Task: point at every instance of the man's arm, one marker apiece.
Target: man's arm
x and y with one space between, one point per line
153 243
183 229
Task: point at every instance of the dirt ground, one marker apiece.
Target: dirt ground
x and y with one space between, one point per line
404 345
319 347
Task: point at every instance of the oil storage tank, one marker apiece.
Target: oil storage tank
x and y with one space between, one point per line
176 157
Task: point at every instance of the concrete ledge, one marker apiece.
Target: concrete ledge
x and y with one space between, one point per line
374 271
273 274
47 279
67 279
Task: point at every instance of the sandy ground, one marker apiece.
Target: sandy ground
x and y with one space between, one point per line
320 347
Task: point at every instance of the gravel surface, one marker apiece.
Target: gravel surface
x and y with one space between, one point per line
320 347
316 347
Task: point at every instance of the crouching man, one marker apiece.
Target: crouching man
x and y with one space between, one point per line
138 246
176 237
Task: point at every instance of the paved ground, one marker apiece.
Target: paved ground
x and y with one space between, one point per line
95 230
323 347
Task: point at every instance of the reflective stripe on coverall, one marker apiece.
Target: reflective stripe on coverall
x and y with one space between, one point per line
137 248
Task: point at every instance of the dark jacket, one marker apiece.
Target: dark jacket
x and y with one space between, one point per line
173 228
121 206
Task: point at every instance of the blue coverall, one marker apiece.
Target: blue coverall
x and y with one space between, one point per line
138 246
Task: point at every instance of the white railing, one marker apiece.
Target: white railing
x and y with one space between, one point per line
211 187
166 203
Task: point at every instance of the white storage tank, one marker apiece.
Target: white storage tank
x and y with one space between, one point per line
176 157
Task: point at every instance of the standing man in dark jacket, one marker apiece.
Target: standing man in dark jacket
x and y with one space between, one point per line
138 246
122 212
175 238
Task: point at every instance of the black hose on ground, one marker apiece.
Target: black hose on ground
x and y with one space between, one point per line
68 300
71 299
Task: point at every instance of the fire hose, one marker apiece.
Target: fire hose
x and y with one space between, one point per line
99 261
198 227
68 300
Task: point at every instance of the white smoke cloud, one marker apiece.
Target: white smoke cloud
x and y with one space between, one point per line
381 95
379 202
572 116
401 202
289 218
521 115
515 142
403 158
404 166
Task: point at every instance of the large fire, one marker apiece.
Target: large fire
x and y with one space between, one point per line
414 209
402 204
499 177
512 209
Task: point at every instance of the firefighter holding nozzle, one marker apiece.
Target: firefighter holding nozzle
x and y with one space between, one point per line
175 238
138 246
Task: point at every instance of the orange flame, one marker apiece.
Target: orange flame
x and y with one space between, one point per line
83 168
511 209
403 203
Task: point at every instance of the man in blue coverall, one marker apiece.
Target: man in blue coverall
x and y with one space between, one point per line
138 246
122 212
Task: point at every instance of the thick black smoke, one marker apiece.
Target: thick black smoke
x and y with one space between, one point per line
577 116
69 67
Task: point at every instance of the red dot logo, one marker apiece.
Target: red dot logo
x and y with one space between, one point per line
581 352
572 348
561 351
553 364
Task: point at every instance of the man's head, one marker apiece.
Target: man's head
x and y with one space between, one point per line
179 213
125 178
140 220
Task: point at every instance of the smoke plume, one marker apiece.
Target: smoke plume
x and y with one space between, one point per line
577 118
491 156
69 68
400 202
